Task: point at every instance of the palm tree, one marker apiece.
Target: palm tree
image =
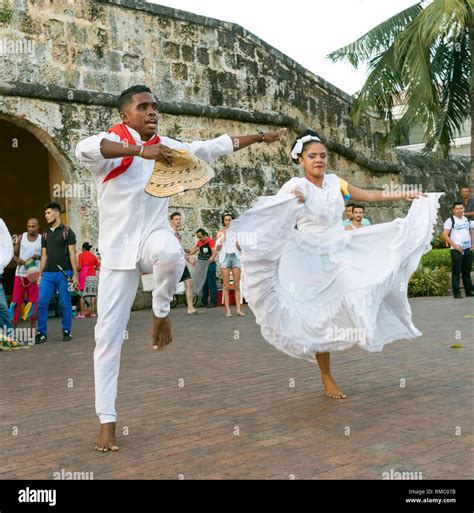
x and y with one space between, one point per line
421 57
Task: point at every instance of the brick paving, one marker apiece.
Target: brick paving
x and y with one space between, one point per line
219 404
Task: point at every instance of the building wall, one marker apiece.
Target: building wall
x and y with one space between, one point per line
211 77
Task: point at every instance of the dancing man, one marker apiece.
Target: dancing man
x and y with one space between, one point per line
319 288
134 233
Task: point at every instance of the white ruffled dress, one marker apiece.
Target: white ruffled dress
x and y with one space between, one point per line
6 246
315 287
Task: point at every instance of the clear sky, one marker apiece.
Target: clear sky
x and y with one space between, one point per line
305 30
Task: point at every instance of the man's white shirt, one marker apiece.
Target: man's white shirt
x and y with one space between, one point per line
127 214
461 233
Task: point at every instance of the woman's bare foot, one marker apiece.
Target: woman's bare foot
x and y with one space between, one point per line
332 390
228 313
241 314
106 440
161 332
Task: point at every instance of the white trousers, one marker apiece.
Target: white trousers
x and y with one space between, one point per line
160 254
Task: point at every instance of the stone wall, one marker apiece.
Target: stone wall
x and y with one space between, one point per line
211 77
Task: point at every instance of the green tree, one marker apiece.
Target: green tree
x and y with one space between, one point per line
421 57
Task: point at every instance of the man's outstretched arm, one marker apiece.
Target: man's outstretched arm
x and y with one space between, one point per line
243 141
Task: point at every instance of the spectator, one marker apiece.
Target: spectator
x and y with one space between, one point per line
349 214
230 263
357 218
26 249
206 249
467 201
458 233
175 221
58 249
88 264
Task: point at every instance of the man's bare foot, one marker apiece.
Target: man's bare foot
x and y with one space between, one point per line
106 440
332 390
161 332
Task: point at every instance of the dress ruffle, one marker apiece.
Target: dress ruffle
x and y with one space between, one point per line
310 297
6 246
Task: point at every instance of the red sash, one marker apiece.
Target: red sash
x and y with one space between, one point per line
122 131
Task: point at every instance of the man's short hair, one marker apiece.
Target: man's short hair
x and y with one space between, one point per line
350 205
456 203
174 214
358 206
464 187
53 206
126 96
202 231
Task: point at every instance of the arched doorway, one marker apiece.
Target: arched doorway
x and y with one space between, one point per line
28 175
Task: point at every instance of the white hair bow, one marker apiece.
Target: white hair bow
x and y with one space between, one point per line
295 153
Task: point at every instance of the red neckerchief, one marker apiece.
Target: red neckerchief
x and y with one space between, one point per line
122 131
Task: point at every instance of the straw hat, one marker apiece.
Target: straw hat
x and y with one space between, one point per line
188 172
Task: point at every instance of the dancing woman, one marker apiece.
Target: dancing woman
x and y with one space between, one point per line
319 288
230 262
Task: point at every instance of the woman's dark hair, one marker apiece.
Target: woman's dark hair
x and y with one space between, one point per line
202 231
225 215
303 134
86 246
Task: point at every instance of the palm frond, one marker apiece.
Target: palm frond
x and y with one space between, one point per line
378 39
421 59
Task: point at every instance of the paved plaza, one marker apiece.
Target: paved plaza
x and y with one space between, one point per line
221 403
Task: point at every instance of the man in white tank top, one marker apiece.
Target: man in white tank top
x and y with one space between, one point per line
28 246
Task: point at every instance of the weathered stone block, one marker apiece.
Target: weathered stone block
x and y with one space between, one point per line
203 56
171 50
132 62
54 30
188 53
114 60
179 71
31 24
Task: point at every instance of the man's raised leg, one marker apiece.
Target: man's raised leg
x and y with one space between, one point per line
162 255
